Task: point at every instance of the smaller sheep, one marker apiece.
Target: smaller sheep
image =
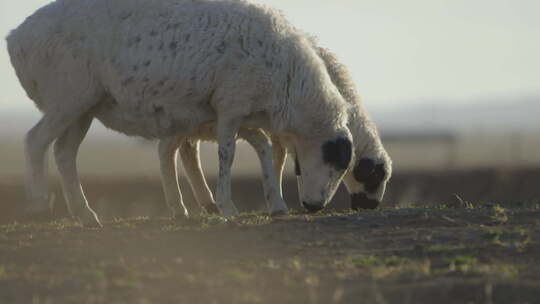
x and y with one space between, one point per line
366 180
372 167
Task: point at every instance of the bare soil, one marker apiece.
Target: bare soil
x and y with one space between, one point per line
481 246
482 254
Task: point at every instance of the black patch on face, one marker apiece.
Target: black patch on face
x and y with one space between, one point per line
337 153
297 167
361 201
369 174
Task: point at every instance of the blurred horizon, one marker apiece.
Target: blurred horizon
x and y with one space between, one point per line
428 71
506 115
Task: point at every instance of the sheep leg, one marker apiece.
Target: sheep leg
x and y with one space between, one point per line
279 156
261 143
226 133
168 150
65 152
37 192
189 152
37 143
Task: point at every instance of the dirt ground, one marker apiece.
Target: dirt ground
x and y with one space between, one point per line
471 254
425 246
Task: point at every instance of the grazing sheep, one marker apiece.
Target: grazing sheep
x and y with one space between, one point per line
366 182
372 167
169 68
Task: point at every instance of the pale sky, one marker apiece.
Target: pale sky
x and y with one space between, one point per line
398 51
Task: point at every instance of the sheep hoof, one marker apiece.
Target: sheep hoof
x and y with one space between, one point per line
279 213
179 217
278 208
211 209
89 219
93 224
228 210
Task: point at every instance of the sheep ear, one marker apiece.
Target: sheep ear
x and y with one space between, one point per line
338 153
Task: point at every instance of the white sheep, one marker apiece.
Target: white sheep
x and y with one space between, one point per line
164 68
372 166
366 181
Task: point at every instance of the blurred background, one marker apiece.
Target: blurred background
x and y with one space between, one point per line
454 86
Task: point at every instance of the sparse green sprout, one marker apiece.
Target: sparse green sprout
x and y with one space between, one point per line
443 248
367 261
214 220
493 236
91 275
499 215
239 275
125 283
517 238
461 263
364 261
